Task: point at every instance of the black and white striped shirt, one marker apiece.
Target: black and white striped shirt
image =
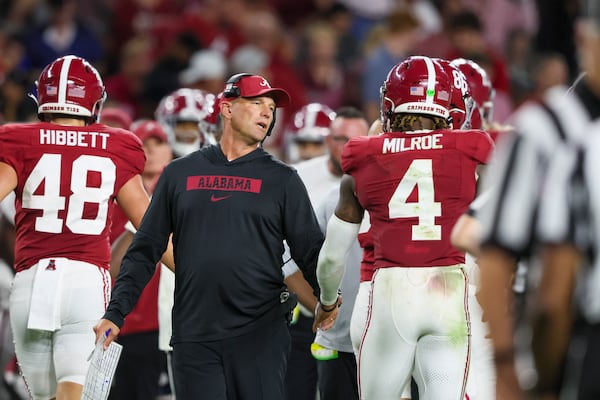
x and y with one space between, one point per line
516 174
569 210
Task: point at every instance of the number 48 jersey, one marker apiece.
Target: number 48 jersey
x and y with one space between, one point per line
415 186
68 178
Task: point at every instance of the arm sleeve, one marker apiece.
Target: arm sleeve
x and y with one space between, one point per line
332 259
139 263
302 232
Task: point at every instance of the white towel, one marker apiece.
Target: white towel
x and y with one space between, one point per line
44 312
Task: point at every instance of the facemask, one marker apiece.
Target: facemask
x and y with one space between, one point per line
182 149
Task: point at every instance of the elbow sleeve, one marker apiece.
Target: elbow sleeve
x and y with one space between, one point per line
332 259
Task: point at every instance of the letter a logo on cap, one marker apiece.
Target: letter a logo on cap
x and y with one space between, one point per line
264 83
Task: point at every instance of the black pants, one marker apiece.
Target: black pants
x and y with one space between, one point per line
247 367
337 378
139 367
301 378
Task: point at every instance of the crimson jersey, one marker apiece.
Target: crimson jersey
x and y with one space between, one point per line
496 134
415 186
68 178
367 264
365 240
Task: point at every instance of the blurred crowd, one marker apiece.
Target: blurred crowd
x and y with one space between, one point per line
335 53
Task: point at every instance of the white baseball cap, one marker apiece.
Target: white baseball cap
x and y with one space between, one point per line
204 64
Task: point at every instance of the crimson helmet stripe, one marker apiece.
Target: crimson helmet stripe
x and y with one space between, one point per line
190 105
70 85
188 99
64 79
431 79
311 115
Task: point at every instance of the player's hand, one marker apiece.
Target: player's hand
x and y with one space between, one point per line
107 328
324 319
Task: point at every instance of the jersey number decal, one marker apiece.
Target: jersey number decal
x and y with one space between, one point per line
47 172
419 174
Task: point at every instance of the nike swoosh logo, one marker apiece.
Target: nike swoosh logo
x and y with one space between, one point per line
214 198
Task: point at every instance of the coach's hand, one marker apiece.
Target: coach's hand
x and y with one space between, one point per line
325 316
108 329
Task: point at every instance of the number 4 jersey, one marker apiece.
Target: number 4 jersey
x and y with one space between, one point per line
68 178
415 186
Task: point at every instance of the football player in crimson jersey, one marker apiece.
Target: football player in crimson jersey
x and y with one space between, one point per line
360 311
415 180
304 136
189 117
462 104
465 114
66 171
482 92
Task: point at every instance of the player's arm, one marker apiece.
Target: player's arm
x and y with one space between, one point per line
8 180
553 315
342 230
497 269
118 250
466 234
348 208
133 200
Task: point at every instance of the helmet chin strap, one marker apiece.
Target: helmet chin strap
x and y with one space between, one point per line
183 149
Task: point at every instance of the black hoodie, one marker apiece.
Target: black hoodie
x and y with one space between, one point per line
229 221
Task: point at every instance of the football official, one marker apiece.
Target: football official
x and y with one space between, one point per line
509 217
